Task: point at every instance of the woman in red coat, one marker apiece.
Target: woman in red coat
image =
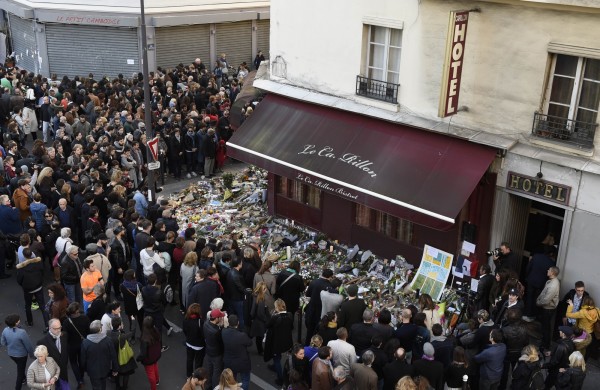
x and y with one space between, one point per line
221 155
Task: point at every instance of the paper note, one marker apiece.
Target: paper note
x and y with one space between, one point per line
432 252
474 284
130 62
457 273
466 267
469 247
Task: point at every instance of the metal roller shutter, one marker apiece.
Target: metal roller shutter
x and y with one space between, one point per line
24 44
183 44
262 36
235 40
76 50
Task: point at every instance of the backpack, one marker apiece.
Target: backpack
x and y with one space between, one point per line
169 295
536 379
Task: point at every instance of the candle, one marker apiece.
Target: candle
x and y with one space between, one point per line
331 249
289 252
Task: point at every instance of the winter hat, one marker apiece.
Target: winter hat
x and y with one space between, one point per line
428 349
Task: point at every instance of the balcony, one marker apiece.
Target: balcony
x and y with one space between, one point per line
564 131
377 89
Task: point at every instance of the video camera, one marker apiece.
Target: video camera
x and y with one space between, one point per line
493 252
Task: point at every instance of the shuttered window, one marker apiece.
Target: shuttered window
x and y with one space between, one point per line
235 40
24 43
262 36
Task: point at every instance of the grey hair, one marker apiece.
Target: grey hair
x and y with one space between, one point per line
248 253
99 290
368 315
339 373
40 350
95 326
52 321
368 357
65 232
72 248
216 303
3 198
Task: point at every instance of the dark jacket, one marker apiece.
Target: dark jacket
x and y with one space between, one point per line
453 375
129 299
235 285
444 350
154 301
361 335
560 354
279 334
98 356
203 293
69 273
432 370
522 373
175 147
500 317
259 313
62 357
235 350
11 223
491 361
30 274
209 147
393 371
193 331
313 309
118 255
509 262
76 329
406 333
351 312
213 339
150 353
484 288
118 339
291 290
515 338
537 270
571 379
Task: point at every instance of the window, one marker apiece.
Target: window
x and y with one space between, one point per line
299 192
388 225
574 89
383 54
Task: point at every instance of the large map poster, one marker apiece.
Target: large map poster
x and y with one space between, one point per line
433 272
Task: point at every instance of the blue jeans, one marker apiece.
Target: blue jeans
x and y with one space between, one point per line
86 305
237 307
277 365
74 293
245 378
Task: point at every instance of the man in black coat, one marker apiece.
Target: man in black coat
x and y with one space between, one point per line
313 309
235 351
213 359
203 292
507 259
486 281
56 343
289 286
443 346
396 369
561 350
430 368
515 338
98 356
362 333
352 309
235 290
406 333
537 275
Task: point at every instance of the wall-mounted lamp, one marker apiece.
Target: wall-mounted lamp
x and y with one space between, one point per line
540 174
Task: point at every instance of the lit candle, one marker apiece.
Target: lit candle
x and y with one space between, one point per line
289 252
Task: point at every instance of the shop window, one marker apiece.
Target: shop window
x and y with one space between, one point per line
291 189
573 101
386 224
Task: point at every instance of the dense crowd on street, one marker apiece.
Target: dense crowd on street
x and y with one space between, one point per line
75 204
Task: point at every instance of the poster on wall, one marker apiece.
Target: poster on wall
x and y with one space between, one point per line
433 272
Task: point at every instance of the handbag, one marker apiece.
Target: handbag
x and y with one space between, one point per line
62 384
55 260
139 301
125 352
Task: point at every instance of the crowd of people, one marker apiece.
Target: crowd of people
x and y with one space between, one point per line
76 203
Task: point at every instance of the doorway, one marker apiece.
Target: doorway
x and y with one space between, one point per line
543 219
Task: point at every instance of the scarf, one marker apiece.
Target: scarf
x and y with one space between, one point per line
221 290
130 285
332 325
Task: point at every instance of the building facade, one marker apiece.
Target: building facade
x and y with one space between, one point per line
519 78
63 38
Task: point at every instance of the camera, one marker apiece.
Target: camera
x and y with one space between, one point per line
464 290
493 252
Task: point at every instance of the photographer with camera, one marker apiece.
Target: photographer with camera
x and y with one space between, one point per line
504 258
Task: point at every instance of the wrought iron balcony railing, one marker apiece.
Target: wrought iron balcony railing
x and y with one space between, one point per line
377 89
576 133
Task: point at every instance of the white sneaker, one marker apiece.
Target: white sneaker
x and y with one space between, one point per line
188 176
194 174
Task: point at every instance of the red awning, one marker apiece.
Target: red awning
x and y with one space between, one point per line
410 173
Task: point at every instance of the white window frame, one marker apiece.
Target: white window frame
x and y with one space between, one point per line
576 93
386 45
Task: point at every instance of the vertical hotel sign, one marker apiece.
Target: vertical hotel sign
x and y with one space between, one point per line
453 64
